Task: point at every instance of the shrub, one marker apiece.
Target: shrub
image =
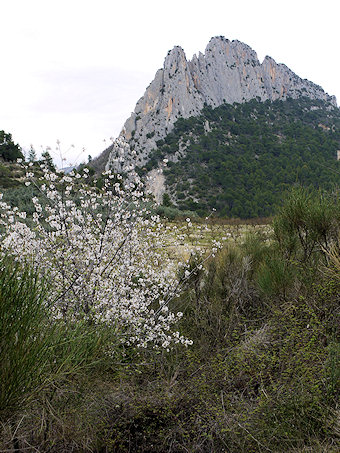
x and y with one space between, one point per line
105 254
307 224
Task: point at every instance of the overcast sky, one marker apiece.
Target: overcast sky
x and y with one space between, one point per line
73 70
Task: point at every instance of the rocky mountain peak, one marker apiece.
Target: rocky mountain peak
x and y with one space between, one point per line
173 58
228 72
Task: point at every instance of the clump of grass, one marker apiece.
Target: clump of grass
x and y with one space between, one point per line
26 336
39 354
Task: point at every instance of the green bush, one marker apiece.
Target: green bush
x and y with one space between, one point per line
307 224
275 276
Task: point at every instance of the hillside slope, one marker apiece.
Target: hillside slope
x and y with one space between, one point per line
239 159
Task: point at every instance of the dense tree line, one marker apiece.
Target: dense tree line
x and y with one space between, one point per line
241 158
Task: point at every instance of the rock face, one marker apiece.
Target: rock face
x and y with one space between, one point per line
228 72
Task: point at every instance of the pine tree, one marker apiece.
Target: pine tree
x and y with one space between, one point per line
47 160
32 155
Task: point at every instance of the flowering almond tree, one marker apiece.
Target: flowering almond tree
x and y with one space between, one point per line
104 253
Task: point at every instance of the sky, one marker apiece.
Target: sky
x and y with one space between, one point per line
72 71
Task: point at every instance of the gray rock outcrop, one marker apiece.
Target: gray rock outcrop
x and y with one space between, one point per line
228 72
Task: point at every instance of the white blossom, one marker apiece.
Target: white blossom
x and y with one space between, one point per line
105 254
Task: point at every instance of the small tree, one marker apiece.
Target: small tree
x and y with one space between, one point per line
47 160
166 200
105 254
32 155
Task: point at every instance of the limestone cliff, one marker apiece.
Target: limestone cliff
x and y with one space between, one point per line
228 72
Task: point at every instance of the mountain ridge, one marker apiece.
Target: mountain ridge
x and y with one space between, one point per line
228 72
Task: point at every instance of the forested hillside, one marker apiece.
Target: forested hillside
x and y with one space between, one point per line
241 158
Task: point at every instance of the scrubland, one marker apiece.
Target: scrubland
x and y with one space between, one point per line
261 306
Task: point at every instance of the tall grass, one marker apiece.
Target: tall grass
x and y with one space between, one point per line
26 336
39 353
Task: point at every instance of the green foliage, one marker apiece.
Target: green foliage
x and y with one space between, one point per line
307 224
166 200
91 170
22 198
46 159
37 351
9 151
172 213
7 179
275 276
262 374
24 343
32 155
253 153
